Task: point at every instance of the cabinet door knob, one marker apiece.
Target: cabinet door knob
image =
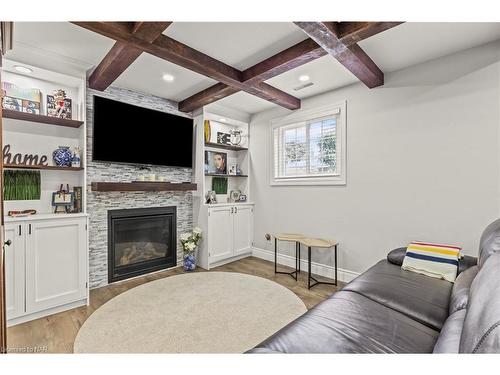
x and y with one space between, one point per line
8 243
236 210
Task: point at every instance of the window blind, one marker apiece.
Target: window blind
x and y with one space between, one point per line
306 148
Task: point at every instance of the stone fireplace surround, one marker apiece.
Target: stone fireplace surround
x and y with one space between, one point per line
98 203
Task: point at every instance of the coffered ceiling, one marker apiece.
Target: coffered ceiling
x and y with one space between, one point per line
73 50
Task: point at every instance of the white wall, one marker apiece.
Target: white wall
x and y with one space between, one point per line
422 163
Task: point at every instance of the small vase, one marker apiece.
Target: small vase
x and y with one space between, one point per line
76 159
189 262
62 156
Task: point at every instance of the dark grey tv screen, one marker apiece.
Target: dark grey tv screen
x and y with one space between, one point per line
125 133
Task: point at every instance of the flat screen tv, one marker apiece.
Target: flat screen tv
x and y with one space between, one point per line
125 133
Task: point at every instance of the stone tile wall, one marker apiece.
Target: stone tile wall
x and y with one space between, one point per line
98 203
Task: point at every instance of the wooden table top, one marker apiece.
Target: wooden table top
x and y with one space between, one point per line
289 236
306 241
317 242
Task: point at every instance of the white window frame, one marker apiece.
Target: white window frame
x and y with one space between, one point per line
305 116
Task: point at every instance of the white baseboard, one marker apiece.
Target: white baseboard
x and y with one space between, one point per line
316 268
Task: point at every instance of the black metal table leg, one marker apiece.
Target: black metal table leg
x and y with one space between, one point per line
293 274
309 267
335 264
299 246
316 282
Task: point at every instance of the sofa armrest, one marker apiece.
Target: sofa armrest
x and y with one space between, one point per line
466 262
397 256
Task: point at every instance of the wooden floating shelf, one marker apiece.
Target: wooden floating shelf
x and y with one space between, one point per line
225 175
225 147
142 186
43 167
16 115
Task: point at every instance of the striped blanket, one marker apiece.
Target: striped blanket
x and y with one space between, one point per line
434 260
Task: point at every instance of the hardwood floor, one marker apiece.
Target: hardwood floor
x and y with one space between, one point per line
56 333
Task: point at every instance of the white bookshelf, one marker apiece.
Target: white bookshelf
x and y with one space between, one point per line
40 136
227 225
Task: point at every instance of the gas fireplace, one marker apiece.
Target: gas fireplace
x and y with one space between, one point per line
140 241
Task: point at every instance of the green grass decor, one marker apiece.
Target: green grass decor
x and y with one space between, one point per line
21 185
219 185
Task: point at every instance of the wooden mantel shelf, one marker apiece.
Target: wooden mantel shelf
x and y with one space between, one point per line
142 186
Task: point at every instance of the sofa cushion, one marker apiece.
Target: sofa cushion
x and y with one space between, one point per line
350 323
481 332
449 338
489 243
460 291
420 297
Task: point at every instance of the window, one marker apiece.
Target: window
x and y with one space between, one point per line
308 148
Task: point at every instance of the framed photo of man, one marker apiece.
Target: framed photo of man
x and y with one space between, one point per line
215 162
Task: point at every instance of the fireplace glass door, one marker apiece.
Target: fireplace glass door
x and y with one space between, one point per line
140 241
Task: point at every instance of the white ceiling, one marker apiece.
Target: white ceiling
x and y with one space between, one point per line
70 49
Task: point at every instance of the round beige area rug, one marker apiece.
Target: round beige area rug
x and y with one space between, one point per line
206 312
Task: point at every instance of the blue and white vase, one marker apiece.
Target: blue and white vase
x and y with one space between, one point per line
189 262
76 159
62 156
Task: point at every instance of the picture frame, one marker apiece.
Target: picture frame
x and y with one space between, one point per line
234 196
21 99
52 108
62 199
77 199
13 104
243 198
215 162
232 169
223 138
30 106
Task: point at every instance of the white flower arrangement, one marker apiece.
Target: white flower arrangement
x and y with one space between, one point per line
190 241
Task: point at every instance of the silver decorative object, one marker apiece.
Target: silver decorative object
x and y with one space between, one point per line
235 138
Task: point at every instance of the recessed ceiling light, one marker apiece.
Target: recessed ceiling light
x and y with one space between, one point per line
222 119
168 77
23 69
304 78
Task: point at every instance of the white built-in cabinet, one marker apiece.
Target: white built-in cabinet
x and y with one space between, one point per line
230 229
46 266
227 224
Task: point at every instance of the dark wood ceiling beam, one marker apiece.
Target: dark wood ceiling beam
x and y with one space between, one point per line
121 55
301 53
329 36
353 32
180 54
207 96
297 55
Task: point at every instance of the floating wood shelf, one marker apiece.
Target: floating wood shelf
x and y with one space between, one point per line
225 175
142 186
44 167
16 115
225 147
